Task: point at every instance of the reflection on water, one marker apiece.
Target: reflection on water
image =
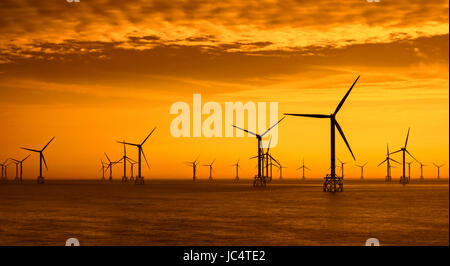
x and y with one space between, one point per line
176 212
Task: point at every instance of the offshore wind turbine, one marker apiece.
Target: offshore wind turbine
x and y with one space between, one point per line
125 159
132 163
438 170
110 165
303 167
236 179
421 169
342 168
40 178
104 167
403 178
260 179
280 168
409 170
16 162
3 168
362 169
194 165
333 182
139 178
388 164
210 169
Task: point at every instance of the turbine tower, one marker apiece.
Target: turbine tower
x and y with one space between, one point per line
303 168
236 179
388 164
260 179
342 168
104 167
132 163
40 178
3 168
333 182
210 169
194 165
110 165
140 178
125 159
362 169
421 169
409 170
438 170
16 162
403 179
280 167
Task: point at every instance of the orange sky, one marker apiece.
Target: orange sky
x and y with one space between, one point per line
94 72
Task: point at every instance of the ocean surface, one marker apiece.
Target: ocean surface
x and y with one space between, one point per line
181 212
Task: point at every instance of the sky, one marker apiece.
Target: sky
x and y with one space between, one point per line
95 72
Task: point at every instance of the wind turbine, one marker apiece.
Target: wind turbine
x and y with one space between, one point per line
342 168
110 165
332 180
280 167
421 169
40 178
3 168
140 178
132 163
260 179
194 168
236 179
438 170
362 169
303 167
16 162
125 158
103 169
210 169
388 164
409 170
404 151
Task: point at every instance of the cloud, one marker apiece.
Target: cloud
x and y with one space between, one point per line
286 25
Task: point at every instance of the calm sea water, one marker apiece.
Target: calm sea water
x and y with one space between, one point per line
180 212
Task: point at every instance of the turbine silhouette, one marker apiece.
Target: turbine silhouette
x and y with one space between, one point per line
332 180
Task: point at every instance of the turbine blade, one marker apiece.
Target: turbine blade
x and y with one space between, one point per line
48 144
270 128
25 158
107 157
127 143
309 115
393 160
407 136
249 132
345 140
29 149
411 156
145 158
382 162
345 97
45 163
268 148
395 152
148 136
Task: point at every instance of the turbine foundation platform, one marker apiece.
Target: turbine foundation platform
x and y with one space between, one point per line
404 180
259 181
139 180
40 180
333 184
